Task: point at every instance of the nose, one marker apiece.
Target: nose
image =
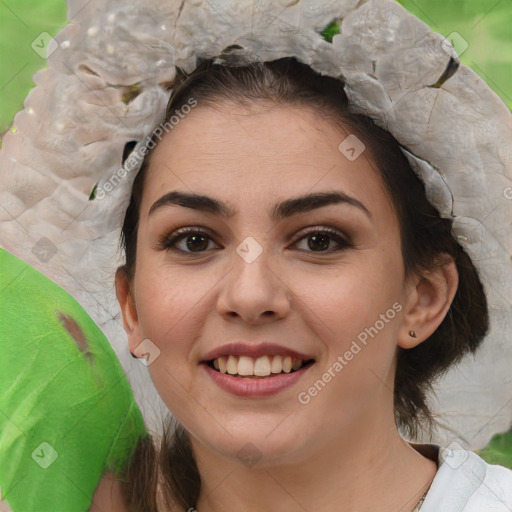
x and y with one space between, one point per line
253 292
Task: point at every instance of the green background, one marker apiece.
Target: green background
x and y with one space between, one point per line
484 26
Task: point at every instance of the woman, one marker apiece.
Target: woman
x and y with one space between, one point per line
321 258
294 315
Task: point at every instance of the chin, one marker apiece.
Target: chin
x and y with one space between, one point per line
256 446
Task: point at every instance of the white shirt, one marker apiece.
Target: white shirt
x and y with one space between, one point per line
464 482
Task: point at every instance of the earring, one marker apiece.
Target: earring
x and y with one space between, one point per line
412 334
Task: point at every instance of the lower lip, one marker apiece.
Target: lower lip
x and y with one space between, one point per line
254 388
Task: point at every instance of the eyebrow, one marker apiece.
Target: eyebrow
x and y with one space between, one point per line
282 210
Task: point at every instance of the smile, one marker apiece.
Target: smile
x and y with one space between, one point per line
260 367
256 386
255 369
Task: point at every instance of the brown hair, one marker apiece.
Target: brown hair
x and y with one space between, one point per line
425 238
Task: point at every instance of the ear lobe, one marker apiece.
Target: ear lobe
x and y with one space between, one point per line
128 308
429 301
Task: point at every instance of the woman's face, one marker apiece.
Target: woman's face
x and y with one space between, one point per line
258 276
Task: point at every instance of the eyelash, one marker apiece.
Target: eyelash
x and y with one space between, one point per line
167 242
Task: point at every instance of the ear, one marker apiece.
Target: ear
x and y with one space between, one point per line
429 299
126 299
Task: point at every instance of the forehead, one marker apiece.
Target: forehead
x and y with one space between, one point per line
270 150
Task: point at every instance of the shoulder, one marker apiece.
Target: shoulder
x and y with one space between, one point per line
108 495
466 483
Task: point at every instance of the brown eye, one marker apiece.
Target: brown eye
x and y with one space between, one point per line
196 241
320 239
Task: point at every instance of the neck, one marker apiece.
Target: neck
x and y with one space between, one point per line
372 469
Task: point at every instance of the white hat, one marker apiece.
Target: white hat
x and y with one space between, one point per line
107 84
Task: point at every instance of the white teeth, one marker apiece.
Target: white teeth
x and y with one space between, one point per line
277 364
245 366
262 366
232 365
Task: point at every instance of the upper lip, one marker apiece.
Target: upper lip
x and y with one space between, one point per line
255 350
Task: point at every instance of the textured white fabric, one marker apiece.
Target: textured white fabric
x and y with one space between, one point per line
71 134
464 482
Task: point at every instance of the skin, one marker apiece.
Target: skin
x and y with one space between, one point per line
324 455
107 495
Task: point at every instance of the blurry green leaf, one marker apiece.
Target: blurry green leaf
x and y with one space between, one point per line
331 30
22 22
485 26
499 450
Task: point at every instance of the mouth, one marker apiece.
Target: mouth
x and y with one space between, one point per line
262 367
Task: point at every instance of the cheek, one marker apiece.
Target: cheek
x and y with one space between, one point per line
352 297
165 306
173 306
170 316
356 315
165 294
